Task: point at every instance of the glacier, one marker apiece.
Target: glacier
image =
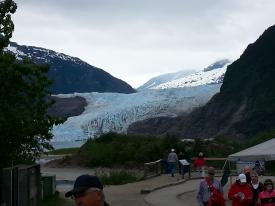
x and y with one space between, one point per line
108 112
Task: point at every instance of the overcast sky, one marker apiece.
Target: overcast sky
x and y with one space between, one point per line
135 40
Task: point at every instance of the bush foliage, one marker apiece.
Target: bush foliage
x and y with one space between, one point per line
118 178
120 149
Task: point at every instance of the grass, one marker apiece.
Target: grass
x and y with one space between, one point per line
55 200
119 178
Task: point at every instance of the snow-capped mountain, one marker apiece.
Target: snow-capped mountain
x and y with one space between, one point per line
188 77
155 81
211 75
218 64
115 112
71 74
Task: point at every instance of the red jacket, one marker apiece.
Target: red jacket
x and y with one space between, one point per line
245 189
267 198
199 162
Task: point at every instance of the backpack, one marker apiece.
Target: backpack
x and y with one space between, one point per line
216 198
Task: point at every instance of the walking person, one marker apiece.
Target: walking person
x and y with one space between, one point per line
267 197
200 163
87 191
172 161
210 191
257 187
241 192
180 157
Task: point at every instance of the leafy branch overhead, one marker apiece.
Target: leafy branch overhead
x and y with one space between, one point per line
7 8
25 126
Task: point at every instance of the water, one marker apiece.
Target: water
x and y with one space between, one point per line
68 144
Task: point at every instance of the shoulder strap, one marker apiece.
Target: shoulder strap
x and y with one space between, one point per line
208 181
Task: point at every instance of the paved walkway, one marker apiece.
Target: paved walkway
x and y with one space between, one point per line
116 195
158 191
183 194
170 195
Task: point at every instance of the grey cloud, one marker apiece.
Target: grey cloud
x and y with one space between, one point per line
116 34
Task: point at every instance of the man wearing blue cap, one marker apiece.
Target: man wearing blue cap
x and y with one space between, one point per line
87 191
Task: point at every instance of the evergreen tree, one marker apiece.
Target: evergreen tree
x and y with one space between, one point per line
25 127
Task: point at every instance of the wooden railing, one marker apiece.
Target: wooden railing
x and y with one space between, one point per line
152 169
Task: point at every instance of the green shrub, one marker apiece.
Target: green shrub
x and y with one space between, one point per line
118 178
120 149
262 137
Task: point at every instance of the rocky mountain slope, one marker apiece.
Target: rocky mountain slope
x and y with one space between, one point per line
245 105
70 74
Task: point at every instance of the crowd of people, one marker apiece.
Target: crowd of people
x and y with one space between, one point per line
247 190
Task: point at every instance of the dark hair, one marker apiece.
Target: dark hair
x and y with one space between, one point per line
268 182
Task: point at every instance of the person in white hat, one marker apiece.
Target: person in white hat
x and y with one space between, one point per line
172 161
240 192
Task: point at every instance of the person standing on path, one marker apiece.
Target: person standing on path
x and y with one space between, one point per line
172 161
200 163
87 191
180 157
206 188
257 187
241 192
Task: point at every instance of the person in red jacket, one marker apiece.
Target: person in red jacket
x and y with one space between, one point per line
267 197
240 192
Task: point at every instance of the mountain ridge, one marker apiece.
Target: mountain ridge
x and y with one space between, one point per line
71 74
115 112
245 104
212 74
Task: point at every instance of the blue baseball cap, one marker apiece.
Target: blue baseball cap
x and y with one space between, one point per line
83 183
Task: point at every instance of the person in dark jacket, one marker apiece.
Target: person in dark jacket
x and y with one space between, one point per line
180 157
87 191
247 171
257 187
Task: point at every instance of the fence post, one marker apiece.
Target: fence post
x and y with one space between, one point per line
145 171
